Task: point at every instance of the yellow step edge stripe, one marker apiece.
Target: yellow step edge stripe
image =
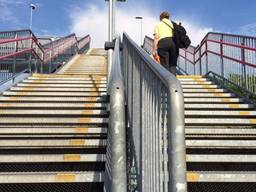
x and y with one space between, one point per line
87 112
6 104
82 130
244 112
218 94
253 121
77 142
206 86
193 177
65 177
72 157
233 106
85 120
189 76
225 100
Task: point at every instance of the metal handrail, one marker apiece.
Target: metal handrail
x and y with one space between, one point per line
156 135
115 175
230 56
25 45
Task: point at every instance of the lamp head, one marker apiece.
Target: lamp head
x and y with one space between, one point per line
32 6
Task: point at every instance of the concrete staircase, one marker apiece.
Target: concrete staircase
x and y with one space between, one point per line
53 129
220 138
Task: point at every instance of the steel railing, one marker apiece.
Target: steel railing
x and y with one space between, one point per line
83 43
115 175
232 57
21 51
17 50
156 135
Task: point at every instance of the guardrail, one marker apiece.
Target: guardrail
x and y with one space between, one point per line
115 175
230 56
13 50
156 135
83 43
21 51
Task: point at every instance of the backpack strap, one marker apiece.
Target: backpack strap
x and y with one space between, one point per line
168 25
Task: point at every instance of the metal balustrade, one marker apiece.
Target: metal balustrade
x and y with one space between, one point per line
21 51
115 176
155 112
232 57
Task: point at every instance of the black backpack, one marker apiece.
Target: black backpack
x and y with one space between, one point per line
180 35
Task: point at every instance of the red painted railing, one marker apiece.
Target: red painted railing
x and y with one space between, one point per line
23 44
230 56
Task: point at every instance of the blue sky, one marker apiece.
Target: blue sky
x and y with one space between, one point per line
60 17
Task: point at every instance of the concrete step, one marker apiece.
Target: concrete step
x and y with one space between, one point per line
197 83
53 113
53 187
218 106
219 113
53 120
62 85
221 158
249 144
31 158
53 99
50 177
64 76
69 82
220 121
12 131
221 176
60 89
193 79
82 76
67 79
46 143
221 131
209 95
195 86
49 94
213 100
46 105
185 90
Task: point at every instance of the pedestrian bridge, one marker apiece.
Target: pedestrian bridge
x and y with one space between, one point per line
71 121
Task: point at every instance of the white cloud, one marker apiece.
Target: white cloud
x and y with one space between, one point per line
93 20
195 31
7 14
248 29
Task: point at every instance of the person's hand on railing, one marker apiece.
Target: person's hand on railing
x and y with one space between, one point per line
156 56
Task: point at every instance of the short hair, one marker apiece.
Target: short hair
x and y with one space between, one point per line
164 15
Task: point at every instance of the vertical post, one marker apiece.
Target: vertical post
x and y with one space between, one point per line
30 54
186 61
141 32
176 141
110 37
244 78
32 7
206 56
221 56
200 60
31 18
113 19
15 60
194 60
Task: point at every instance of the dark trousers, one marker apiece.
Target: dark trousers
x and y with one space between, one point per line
168 54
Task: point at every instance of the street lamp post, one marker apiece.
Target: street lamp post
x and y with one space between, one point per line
111 29
141 28
32 8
